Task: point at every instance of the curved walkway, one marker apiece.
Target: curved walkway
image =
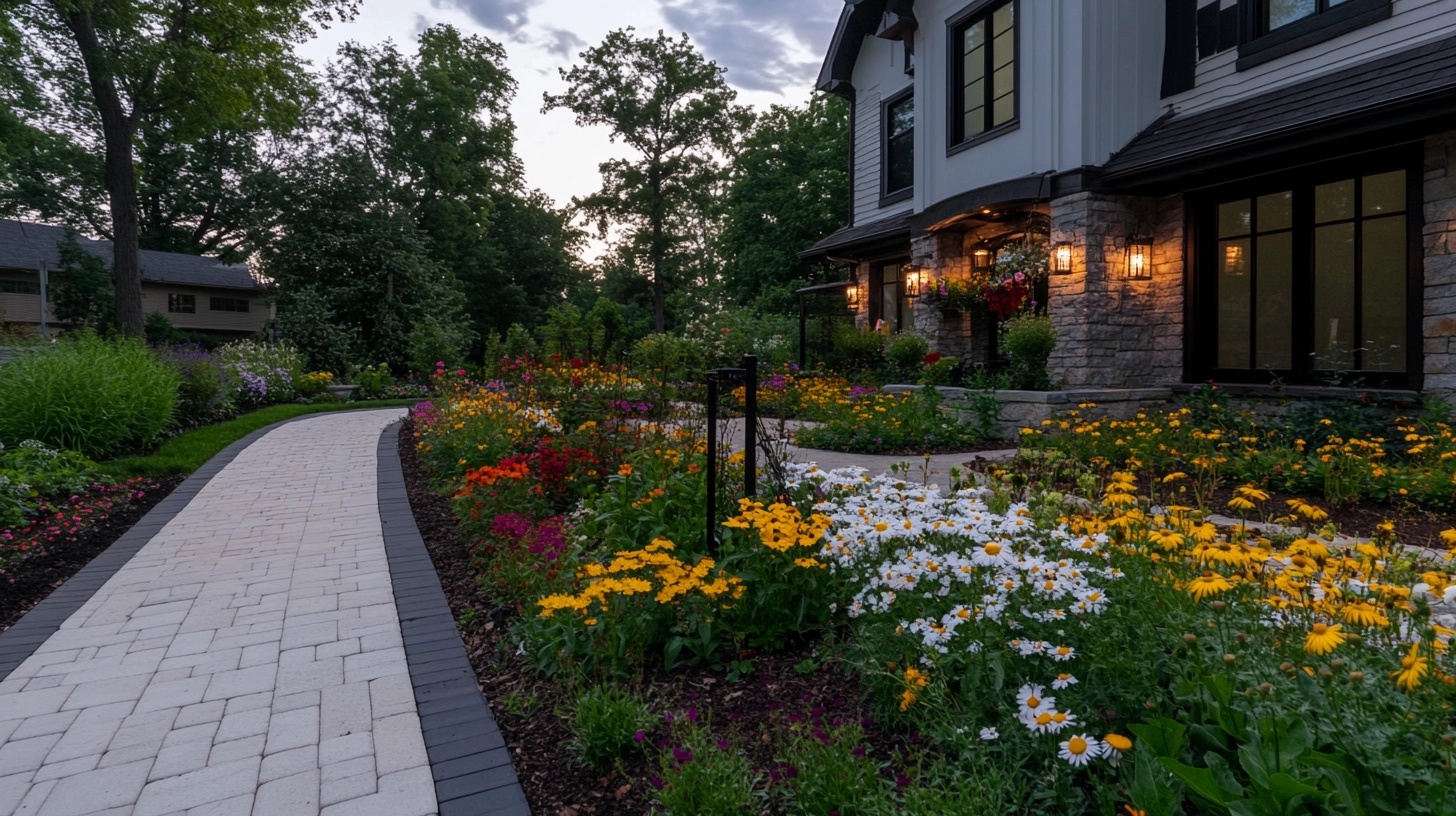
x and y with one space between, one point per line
277 645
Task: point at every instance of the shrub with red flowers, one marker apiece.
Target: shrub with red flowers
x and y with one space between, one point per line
55 523
544 482
521 557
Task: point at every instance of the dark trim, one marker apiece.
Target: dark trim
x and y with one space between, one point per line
995 132
857 20
27 634
1258 48
1184 42
1002 193
468 755
853 146
888 196
954 66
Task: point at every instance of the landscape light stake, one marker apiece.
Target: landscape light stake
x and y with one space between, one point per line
750 425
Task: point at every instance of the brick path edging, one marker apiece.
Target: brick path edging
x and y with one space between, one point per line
468 755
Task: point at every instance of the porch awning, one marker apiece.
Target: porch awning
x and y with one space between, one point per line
1407 94
885 235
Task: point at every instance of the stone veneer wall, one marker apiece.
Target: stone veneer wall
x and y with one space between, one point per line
1439 240
1113 332
956 334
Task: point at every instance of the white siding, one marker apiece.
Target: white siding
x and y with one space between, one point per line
154 299
1122 75
878 74
1411 22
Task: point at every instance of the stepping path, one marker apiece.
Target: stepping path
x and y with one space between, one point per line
250 657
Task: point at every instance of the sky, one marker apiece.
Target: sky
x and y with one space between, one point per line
771 49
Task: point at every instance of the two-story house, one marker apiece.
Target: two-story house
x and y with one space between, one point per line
1241 190
196 293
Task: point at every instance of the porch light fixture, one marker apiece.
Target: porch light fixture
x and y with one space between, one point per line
981 257
1139 258
914 278
852 294
1062 259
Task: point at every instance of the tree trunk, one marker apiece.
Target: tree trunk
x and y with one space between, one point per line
117 129
657 254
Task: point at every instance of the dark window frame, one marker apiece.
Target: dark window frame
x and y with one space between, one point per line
1201 326
181 304
239 305
877 286
888 196
19 287
955 140
1259 44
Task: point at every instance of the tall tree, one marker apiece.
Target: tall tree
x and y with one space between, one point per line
671 106
789 181
110 64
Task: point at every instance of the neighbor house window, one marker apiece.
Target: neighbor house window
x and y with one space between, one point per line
1309 281
899 161
222 304
16 287
182 304
983 71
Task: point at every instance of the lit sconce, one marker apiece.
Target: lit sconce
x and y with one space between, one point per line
1062 259
981 257
852 295
1233 260
1140 258
914 277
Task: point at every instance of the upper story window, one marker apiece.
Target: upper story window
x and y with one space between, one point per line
225 304
983 71
899 147
1279 13
182 304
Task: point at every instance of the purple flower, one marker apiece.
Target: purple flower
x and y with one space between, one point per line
722 745
858 752
656 782
902 781
692 715
639 736
682 755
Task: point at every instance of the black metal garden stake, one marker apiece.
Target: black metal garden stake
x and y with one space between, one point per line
750 425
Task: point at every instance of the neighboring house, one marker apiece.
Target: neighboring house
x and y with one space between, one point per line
196 293
1281 173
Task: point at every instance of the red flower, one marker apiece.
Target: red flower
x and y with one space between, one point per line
932 358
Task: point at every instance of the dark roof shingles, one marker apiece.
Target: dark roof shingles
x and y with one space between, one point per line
24 245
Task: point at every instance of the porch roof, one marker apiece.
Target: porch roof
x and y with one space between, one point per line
887 234
1388 95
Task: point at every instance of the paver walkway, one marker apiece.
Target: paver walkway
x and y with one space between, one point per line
247 660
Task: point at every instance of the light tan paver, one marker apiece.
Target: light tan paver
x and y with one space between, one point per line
247 660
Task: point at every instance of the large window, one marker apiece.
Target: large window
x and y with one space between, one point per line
887 304
18 287
1275 14
899 147
983 71
224 304
182 304
1308 281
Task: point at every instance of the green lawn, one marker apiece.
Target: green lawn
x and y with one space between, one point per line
186 453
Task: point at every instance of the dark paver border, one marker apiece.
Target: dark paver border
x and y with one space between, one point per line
43 620
468 755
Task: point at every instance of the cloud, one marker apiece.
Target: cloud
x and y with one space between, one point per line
507 16
562 43
766 45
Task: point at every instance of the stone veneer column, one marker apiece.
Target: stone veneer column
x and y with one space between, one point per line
1113 332
944 256
1439 240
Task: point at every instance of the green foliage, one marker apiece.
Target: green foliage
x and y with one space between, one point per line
905 356
373 381
723 338
48 471
606 724
431 343
703 777
910 423
309 324
834 774
262 373
205 392
788 190
518 342
940 372
86 394
81 291
1028 340
596 336
668 104
854 350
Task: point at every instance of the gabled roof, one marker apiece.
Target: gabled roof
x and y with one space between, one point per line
24 245
858 19
1411 86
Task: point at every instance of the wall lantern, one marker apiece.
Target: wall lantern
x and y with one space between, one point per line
914 278
981 257
1062 259
1140 258
852 294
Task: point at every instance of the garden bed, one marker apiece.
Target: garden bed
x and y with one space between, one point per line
795 684
43 573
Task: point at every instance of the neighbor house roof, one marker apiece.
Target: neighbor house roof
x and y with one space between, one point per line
24 245
1396 91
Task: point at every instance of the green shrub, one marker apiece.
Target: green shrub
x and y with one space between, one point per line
855 351
1028 341
307 321
905 356
833 773
48 471
605 724
374 382
204 392
701 777
87 394
431 343
518 342
263 373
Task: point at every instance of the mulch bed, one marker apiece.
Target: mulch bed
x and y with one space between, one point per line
528 710
43 573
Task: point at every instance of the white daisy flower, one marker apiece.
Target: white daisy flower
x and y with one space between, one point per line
1080 749
1061 653
1064 681
989 734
